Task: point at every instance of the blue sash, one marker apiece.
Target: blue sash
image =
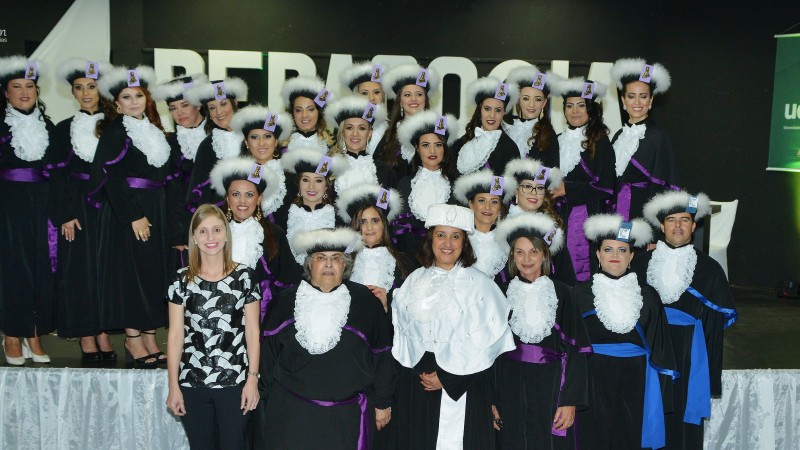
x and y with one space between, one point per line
698 400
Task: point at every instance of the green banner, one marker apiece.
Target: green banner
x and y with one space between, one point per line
784 136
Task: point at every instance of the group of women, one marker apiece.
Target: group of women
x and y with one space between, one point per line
391 284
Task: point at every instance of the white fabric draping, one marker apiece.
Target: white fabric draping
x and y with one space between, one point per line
85 409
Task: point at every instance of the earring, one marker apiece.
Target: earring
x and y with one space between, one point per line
324 196
299 195
119 110
195 242
229 214
402 112
258 213
344 147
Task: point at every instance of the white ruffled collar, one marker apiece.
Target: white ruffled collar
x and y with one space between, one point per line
271 204
226 144
300 220
377 134
320 317
474 154
361 170
618 302
314 141
247 238
570 149
534 307
428 187
29 136
489 255
375 267
431 294
189 139
671 270
148 139
626 145
520 131
81 134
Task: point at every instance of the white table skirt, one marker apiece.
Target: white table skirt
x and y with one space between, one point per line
111 409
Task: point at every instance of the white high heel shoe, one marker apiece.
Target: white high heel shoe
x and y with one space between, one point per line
13 360
28 353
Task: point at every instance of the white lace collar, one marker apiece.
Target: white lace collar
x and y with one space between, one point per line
81 134
490 256
148 139
570 149
375 267
270 205
226 144
190 138
520 131
427 188
406 152
626 145
618 302
247 238
320 317
671 270
298 140
29 136
361 170
431 294
377 134
533 308
300 220
474 154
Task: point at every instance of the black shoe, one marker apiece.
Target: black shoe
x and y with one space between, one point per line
108 356
89 356
139 362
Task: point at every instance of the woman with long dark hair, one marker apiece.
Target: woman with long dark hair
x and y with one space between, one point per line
26 278
531 128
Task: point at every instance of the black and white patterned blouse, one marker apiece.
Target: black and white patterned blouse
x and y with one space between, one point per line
214 350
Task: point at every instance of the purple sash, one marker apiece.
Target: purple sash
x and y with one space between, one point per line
266 287
653 179
577 243
360 398
23 175
80 176
624 198
144 183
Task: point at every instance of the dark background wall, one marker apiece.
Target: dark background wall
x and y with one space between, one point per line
721 56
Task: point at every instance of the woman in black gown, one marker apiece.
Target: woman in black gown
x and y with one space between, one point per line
531 129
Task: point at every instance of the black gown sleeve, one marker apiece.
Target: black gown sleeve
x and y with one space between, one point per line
64 197
199 190
575 342
602 166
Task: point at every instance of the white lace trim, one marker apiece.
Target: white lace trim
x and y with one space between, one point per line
375 267
247 238
520 131
474 154
533 307
569 144
377 134
320 317
430 295
276 201
313 141
81 135
190 138
671 271
427 188
626 145
490 256
301 220
148 139
362 170
226 144
617 302
29 136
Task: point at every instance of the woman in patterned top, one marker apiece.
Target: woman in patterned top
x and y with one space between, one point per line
213 317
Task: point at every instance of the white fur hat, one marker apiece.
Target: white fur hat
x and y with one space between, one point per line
360 72
327 240
529 224
176 89
256 116
424 122
531 76
305 159
118 78
480 182
405 74
18 66
201 93
309 87
577 87
451 216
362 195
229 170
74 68
672 202
490 87
530 169
626 70
608 226
354 107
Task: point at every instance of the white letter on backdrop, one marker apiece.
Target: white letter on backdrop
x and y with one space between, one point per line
277 65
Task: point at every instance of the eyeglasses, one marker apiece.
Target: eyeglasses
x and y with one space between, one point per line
333 259
529 188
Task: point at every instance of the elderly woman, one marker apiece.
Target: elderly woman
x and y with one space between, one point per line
532 184
531 128
306 98
252 191
353 118
369 209
449 326
325 360
542 382
485 144
633 366
364 79
482 191
213 337
26 279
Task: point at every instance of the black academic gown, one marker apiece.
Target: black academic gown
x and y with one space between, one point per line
349 368
589 185
179 215
277 274
613 419
199 189
77 312
527 394
26 271
402 168
548 156
408 239
656 156
132 274
709 279
504 151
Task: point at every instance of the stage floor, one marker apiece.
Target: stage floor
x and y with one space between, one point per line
764 337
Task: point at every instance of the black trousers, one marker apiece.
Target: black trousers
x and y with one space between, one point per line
214 415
